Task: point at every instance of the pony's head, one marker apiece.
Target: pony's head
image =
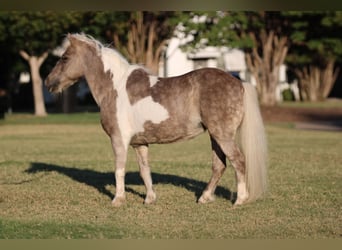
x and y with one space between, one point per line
70 67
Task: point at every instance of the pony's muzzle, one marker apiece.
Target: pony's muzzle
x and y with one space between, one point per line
52 85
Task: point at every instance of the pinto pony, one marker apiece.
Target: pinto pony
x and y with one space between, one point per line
138 109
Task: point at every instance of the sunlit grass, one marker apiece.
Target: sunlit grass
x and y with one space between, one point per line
57 181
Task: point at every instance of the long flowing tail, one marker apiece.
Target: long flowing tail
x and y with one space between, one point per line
254 146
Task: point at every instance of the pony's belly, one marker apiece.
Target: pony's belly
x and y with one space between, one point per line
166 134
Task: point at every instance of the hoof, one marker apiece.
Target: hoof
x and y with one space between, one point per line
206 199
240 202
118 201
150 199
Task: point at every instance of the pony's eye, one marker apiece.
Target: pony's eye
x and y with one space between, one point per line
64 58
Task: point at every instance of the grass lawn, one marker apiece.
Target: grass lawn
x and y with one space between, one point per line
57 181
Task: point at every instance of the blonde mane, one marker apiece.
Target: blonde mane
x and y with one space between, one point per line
100 48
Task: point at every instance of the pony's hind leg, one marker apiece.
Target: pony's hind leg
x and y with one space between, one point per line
145 172
219 165
237 159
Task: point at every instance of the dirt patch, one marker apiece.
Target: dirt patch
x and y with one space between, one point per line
299 114
328 119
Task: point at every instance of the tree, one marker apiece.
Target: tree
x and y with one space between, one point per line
33 35
262 35
35 62
317 46
147 36
268 31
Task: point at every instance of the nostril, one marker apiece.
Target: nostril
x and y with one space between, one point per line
51 84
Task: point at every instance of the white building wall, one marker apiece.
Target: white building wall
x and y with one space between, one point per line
235 60
282 73
179 62
176 61
212 63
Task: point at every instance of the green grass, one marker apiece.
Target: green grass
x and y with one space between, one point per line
57 181
75 118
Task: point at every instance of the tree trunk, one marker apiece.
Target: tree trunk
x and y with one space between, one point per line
315 83
264 64
66 102
149 58
143 45
37 83
329 76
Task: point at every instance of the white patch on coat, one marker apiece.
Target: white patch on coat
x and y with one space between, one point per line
153 80
148 110
131 118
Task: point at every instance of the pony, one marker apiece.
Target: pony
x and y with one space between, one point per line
138 109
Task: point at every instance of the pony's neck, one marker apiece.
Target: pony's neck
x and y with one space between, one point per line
115 64
105 73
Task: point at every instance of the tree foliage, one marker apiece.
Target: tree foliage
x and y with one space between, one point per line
38 32
215 28
33 35
316 47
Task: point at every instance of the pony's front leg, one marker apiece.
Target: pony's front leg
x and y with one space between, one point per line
145 172
120 153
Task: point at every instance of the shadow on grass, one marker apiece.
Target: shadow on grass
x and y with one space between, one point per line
100 180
